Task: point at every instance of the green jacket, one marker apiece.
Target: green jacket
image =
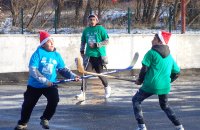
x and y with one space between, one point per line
96 34
160 65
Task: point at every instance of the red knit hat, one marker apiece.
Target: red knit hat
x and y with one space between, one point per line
164 36
44 37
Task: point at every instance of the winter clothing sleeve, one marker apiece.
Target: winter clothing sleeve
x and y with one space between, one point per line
143 71
67 73
174 76
175 72
82 49
103 43
33 72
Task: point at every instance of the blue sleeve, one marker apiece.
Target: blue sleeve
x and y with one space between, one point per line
34 61
63 70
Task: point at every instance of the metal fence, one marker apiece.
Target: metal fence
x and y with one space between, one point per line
118 20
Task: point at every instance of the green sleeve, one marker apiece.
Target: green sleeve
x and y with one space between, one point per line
175 68
104 34
147 59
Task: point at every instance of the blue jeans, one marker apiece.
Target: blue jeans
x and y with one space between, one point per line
163 101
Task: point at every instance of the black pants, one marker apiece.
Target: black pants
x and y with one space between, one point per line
31 97
94 63
163 100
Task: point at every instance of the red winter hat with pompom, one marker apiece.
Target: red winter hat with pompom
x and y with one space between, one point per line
164 36
44 37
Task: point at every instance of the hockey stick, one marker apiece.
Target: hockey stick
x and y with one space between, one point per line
81 70
130 67
63 81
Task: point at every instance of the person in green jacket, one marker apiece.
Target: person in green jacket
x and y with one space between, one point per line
158 70
93 50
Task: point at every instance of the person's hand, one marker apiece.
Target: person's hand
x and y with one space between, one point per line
77 78
92 45
138 82
82 55
49 84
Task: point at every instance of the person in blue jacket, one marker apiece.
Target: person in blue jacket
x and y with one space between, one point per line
43 65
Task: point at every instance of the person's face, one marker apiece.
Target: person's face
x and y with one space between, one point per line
49 45
92 21
156 40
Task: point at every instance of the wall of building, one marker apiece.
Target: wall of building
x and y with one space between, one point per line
16 50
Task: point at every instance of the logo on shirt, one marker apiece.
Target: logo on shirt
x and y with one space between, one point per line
92 37
48 66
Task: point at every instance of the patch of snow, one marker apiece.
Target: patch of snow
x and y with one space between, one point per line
113 14
6 25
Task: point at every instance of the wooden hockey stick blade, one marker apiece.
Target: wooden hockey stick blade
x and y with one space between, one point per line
79 64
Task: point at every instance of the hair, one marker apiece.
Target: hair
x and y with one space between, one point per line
91 16
158 37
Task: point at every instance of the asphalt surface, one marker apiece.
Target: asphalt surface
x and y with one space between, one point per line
96 113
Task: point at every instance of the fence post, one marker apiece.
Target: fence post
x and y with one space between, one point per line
129 20
170 19
22 20
55 21
183 16
90 11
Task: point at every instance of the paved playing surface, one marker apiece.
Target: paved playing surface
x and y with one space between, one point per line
100 114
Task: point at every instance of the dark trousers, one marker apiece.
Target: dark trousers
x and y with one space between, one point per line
163 100
31 97
94 63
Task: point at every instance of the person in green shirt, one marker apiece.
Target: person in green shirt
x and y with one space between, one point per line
158 70
93 50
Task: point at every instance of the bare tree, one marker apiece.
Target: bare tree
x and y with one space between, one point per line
59 4
87 12
145 11
14 8
152 10
160 2
193 12
78 8
100 7
177 12
138 10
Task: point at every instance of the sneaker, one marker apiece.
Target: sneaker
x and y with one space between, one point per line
44 123
21 127
179 127
107 91
141 127
80 96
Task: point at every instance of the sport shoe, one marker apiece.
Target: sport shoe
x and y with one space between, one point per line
44 123
180 127
141 127
107 91
21 127
80 96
